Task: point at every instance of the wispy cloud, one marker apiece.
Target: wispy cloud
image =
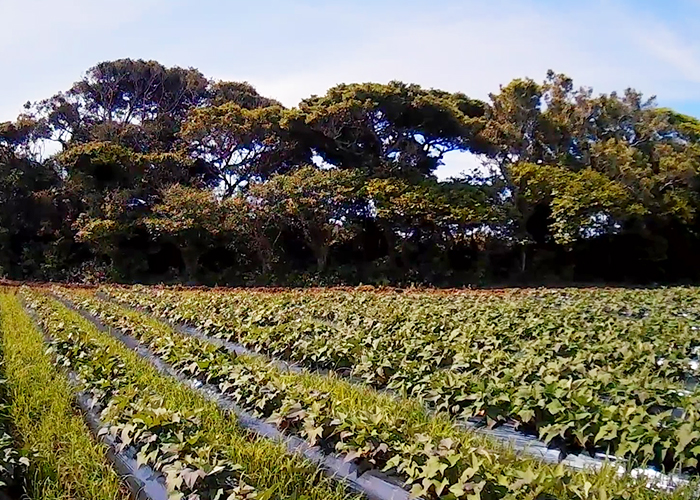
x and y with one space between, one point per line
45 45
475 50
679 51
36 27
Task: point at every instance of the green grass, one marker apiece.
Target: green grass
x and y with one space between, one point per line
266 464
67 462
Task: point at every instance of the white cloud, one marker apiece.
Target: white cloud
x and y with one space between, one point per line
471 46
680 54
474 51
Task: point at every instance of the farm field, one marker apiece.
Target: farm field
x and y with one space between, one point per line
356 274
345 393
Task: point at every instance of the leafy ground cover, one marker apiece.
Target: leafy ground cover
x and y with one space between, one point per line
202 453
65 463
436 459
610 371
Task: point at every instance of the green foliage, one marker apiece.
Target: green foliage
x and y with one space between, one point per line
241 145
194 220
183 211
168 441
686 126
568 176
320 204
582 155
134 102
429 202
102 166
30 215
580 369
580 201
387 130
435 460
202 453
13 464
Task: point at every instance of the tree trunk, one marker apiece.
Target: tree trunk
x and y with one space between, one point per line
390 244
190 257
263 249
321 253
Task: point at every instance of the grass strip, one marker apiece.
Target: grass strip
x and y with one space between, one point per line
13 465
200 424
437 459
66 462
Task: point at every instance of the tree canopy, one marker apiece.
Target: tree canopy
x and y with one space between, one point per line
163 175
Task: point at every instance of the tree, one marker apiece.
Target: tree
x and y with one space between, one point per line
428 216
114 188
162 168
387 130
30 211
613 143
240 93
196 221
241 145
582 204
98 167
321 204
138 103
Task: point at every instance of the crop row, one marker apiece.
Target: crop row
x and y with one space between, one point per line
201 453
585 371
436 459
48 451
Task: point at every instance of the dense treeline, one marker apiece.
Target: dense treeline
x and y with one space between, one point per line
140 172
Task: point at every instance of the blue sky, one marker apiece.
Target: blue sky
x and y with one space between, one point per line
291 49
